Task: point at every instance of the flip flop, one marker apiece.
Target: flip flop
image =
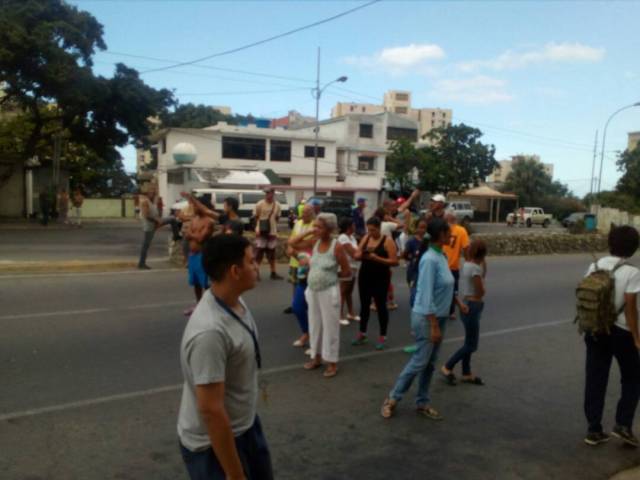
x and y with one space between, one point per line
330 373
473 381
312 365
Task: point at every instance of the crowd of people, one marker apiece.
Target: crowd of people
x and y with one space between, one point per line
220 433
328 258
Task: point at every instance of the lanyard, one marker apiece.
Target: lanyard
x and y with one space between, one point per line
256 346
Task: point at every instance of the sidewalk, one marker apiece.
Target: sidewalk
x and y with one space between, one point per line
87 223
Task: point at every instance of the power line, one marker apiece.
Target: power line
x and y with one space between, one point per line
211 67
246 92
266 40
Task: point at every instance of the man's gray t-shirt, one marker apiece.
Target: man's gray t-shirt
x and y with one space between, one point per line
216 348
467 287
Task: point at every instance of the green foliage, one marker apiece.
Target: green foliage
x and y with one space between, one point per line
190 115
401 164
46 49
535 187
455 160
629 164
621 201
561 207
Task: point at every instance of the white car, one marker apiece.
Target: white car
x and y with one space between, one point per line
464 210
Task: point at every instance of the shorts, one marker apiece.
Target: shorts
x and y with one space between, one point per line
197 276
266 243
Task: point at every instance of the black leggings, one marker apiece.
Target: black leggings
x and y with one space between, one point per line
373 287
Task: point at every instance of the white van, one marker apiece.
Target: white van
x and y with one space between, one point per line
247 200
464 210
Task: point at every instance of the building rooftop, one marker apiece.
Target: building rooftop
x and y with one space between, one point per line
251 130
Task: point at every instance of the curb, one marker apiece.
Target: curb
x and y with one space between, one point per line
69 266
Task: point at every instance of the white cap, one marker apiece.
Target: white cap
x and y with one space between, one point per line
439 198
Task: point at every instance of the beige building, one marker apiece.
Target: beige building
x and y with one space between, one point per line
399 103
501 173
634 138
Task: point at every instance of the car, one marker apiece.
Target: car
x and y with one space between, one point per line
247 200
340 206
463 210
529 216
572 219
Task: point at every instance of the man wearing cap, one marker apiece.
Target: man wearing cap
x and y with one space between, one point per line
267 213
358 219
436 208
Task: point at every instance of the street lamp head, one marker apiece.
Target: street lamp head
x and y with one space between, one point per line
344 79
637 104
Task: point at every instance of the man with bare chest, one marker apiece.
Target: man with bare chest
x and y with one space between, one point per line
199 231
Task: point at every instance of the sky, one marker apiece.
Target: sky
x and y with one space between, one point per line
536 77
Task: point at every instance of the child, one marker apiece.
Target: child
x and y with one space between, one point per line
472 292
412 252
299 303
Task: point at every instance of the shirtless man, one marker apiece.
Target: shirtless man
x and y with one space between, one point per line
200 230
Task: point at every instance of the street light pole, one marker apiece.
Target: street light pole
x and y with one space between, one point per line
317 92
604 139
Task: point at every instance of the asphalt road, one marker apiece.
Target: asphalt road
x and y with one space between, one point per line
89 365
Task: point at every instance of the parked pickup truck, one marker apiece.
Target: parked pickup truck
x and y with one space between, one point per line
529 216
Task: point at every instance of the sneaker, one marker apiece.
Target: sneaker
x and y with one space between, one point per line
626 435
275 276
307 352
382 343
344 322
410 349
360 340
596 438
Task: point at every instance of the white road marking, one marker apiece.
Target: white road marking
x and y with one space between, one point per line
93 310
89 274
270 371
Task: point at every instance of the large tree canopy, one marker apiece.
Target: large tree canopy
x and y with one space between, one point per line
455 160
401 164
46 49
190 115
629 164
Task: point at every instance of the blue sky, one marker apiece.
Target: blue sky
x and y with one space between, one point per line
536 77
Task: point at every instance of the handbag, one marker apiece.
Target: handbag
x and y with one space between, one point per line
264 226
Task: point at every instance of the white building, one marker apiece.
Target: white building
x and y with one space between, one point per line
500 174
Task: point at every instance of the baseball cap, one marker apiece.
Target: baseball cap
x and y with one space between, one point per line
439 198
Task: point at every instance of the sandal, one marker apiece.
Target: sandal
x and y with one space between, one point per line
330 372
449 378
429 412
312 365
353 318
388 407
473 381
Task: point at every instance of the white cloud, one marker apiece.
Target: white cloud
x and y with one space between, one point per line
478 90
550 53
399 59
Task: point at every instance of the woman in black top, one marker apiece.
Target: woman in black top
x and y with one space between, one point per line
378 254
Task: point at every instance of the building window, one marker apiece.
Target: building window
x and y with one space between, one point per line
309 151
364 109
396 133
366 164
175 178
366 130
401 110
402 97
433 114
433 123
280 151
164 145
351 108
243 148
444 115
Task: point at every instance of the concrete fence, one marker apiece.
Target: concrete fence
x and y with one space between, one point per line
108 208
606 216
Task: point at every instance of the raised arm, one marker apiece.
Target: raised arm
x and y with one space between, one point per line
407 203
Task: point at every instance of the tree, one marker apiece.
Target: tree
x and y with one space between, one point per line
529 181
401 165
629 164
455 160
190 115
46 49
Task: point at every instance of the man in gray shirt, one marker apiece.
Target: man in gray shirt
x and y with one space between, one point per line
220 433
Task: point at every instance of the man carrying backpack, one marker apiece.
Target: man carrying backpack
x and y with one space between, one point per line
608 315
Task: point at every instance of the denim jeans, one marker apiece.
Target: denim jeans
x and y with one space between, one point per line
300 308
421 363
252 450
601 349
471 322
146 243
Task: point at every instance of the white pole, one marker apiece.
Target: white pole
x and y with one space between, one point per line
317 129
593 164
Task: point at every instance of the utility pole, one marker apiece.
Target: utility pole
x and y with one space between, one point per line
317 129
593 165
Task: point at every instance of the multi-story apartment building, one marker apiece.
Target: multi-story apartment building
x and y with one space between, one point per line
399 102
634 138
500 174
351 155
